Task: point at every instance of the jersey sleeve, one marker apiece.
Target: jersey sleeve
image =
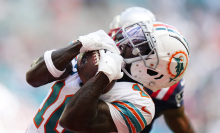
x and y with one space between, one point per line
131 109
118 119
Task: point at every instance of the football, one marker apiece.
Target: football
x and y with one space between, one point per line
87 67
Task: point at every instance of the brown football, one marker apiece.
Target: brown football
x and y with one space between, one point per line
87 67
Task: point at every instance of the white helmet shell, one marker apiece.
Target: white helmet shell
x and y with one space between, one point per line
173 54
165 65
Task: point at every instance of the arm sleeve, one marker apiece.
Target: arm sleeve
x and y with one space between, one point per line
131 108
128 118
118 119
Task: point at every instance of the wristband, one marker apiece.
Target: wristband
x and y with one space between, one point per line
50 66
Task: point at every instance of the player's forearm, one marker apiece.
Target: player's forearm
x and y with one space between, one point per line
39 75
178 121
82 110
180 125
63 56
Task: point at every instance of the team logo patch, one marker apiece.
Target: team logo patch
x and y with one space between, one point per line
178 68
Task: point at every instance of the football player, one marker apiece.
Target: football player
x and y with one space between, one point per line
126 107
168 101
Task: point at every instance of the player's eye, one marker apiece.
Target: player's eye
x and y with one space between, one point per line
118 37
121 48
144 49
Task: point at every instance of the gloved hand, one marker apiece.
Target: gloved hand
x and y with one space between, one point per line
96 41
111 64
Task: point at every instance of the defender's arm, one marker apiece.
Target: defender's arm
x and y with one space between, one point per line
178 121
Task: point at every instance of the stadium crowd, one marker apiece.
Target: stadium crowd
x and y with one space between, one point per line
27 25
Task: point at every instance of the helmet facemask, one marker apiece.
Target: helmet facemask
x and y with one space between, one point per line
138 36
156 55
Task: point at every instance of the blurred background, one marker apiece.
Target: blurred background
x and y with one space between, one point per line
28 28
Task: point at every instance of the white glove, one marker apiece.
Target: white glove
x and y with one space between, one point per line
96 41
111 64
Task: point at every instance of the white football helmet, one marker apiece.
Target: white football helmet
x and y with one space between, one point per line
130 16
165 58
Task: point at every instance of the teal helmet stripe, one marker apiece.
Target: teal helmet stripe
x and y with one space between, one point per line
170 30
179 36
160 28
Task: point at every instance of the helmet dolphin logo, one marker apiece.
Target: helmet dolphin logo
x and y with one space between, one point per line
179 67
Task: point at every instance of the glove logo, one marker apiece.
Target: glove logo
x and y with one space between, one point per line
178 68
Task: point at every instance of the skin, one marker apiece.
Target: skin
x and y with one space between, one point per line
178 121
38 74
96 116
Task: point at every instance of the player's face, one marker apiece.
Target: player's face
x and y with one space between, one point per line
132 41
126 50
